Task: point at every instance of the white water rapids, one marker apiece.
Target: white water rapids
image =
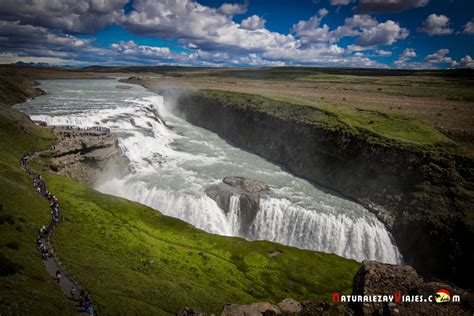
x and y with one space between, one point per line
172 166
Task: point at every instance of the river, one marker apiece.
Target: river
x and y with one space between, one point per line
172 164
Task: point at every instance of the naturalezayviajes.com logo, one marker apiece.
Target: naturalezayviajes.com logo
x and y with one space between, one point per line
441 296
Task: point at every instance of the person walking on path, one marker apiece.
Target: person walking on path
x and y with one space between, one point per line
73 293
67 285
58 276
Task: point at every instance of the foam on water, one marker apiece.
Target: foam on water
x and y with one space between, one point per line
172 164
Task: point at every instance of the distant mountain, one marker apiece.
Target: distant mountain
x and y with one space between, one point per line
32 64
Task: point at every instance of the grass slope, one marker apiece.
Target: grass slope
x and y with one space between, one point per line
25 287
376 127
131 258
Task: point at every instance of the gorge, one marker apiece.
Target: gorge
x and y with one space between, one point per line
172 164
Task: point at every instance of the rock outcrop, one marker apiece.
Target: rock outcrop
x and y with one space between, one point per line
246 185
185 311
83 154
287 307
422 198
248 190
255 309
374 278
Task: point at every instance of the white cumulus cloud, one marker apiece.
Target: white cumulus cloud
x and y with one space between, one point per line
384 53
436 25
439 57
253 22
232 9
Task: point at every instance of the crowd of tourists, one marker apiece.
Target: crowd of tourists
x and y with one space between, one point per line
42 242
92 131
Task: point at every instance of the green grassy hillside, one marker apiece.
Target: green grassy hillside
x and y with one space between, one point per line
25 287
132 259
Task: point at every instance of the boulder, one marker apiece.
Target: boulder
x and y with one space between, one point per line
290 307
221 196
246 185
287 307
186 311
375 278
249 206
324 308
255 309
249 198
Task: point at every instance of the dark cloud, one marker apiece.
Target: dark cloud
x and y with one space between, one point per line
340 2
387 6
469 28
45 30
70 16
383 34
17 36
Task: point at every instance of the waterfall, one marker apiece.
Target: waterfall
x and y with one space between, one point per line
233 216
192 207
172 164
361 238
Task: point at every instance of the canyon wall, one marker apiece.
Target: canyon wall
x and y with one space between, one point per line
423 197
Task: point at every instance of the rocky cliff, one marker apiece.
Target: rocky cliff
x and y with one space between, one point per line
423 197
374 278
83 154
248 192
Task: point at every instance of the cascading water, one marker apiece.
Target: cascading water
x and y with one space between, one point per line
172 163
233 217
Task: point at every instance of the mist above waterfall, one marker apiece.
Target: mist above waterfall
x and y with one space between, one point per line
173 162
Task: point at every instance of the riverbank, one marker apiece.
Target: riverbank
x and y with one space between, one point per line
413 177
131 258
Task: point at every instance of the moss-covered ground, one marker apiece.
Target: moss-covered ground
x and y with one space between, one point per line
133 258
377 127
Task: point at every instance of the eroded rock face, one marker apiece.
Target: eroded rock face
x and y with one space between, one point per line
246 185
375 278
248 191
84 154
221 196
416 194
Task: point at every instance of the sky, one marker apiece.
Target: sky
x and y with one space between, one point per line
245 33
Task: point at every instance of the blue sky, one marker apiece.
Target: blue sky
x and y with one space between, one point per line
344 33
